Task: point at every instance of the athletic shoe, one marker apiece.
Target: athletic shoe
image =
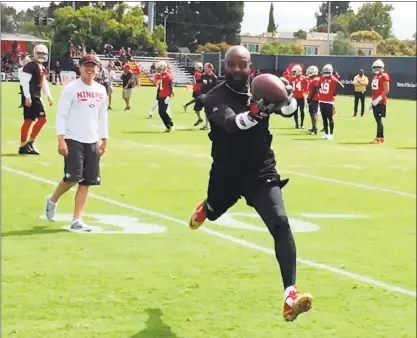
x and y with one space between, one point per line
295 304
25 150
198 122
325 137
80 226
198 217
330 137
185 108
50 210
33 150
204 128
377 140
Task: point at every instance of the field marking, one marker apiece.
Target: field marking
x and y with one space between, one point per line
235 240
321 178
334 216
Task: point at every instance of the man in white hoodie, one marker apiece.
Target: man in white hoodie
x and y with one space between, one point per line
81 124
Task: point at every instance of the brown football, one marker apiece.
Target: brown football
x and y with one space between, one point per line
269 88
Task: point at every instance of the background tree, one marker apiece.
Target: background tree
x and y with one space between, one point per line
395 47
271 23
345 23
213 47
94 27
279 48
374 16
366 36
300 34
337 8
342 45
199 22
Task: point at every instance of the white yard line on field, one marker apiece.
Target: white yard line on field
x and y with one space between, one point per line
235 240
316 177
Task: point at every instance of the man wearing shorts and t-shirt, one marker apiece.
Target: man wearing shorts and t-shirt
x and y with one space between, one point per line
81 123
128 82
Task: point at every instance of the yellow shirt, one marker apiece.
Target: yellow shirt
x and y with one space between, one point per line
360 83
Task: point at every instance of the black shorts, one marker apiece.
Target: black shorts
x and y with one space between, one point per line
300 103
35 111
82 165
313 106
198 105
226 187
326 110
380 110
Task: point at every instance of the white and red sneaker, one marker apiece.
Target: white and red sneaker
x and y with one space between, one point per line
295 303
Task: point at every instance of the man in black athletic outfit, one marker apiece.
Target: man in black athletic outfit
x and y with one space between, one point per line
208 82
244 166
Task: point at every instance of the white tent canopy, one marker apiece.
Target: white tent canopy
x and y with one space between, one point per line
20 37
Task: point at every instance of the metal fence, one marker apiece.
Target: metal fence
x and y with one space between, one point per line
402 70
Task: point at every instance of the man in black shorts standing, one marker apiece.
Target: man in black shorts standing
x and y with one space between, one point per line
244 166
32 79
81 122
208 82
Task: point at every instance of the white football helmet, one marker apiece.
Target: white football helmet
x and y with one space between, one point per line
161 67
296 70
378 66
199 66
327 70
312 71
40 53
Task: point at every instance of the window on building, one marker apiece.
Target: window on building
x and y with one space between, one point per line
365 51
252 47
308 50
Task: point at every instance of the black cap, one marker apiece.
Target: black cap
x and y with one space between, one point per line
89 58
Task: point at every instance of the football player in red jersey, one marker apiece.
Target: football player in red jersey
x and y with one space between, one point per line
163 80
299 85
328 84
380 89
313 88
197 83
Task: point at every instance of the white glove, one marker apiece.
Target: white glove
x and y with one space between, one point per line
290 108
370 108
167 100
205 81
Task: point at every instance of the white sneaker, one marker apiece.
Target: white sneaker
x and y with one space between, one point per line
325 137
330 137
150 115
50 209
80 226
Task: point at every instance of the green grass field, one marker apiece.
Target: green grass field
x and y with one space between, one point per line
352 207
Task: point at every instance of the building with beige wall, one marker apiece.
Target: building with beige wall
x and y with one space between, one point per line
314 44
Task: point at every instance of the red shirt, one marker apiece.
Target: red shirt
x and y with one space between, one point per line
328 88
299 85
197 86
314 82
165 84
377 86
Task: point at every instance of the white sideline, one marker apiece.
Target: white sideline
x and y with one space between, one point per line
321 178
244 243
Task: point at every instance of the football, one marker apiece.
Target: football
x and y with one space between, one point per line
269 88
